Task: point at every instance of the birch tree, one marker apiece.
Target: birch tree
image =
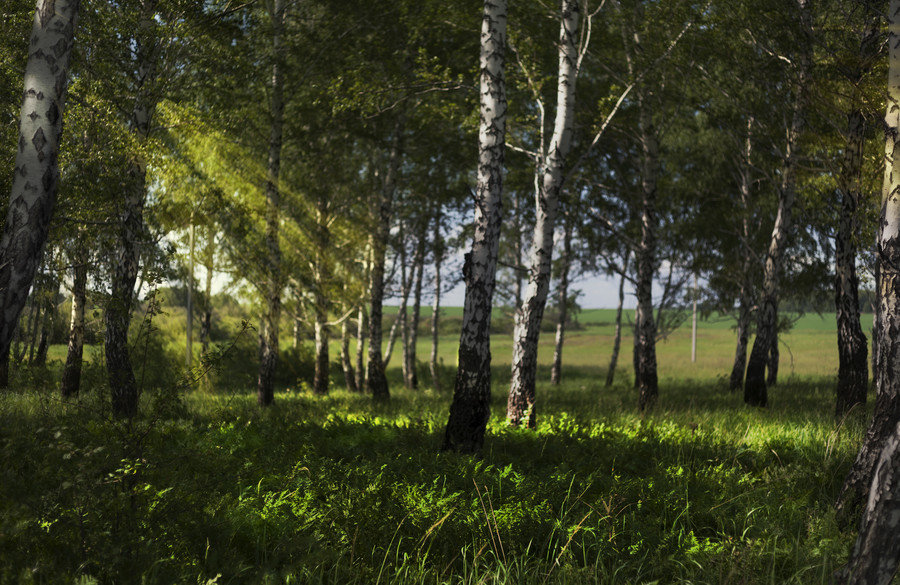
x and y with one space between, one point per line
876 552
755 388
521 402
272 288
470 409
123 386
36 174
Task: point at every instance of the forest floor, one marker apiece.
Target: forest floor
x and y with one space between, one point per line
204 488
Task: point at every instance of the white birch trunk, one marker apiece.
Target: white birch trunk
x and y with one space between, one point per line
376 382
71 380
268 339
859 485
877 550
123 386
764 346
36 174
438 250
470 409
556 369
521 402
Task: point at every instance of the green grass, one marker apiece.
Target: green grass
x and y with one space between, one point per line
204 486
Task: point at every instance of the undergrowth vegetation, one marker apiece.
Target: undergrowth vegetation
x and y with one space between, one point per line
205 488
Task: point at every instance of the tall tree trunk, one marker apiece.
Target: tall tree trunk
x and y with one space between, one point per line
853 368
189 318
268 350
346 361
398 328
644 324
323 277
40 359
438 251
617 339
122 383
206 323
470 409
877 550
412 376
772 364
521 403
566 260
36 173
755 390
321 378
71 380
517 250
361 349
856 488
376 381
745 301
36 319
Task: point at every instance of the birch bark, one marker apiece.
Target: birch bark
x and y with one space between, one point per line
884 420
71 380
412 376
376 382
566 260
268 339
36 173
346 362
438 251
755 390
470 409
123 386
644 324
521 403
876 553
617 339
853 368
361 349
744 296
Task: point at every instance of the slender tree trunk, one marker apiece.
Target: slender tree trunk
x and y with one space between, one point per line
517 250
772 364
206 323
375 377
853 368
617 339
346 361
745 301
644 325
755 390
877 550
856 488
470 409
321 378
398 328
556 370
189 320
71 380
412 376
36 173
438 250
123 386
323 276
521 403
361 349
40 359
36 319
268 351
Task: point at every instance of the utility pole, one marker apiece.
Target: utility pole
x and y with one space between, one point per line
694 323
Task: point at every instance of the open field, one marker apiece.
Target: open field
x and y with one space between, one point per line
203 487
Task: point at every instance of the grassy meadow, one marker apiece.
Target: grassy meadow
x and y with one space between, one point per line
204 488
